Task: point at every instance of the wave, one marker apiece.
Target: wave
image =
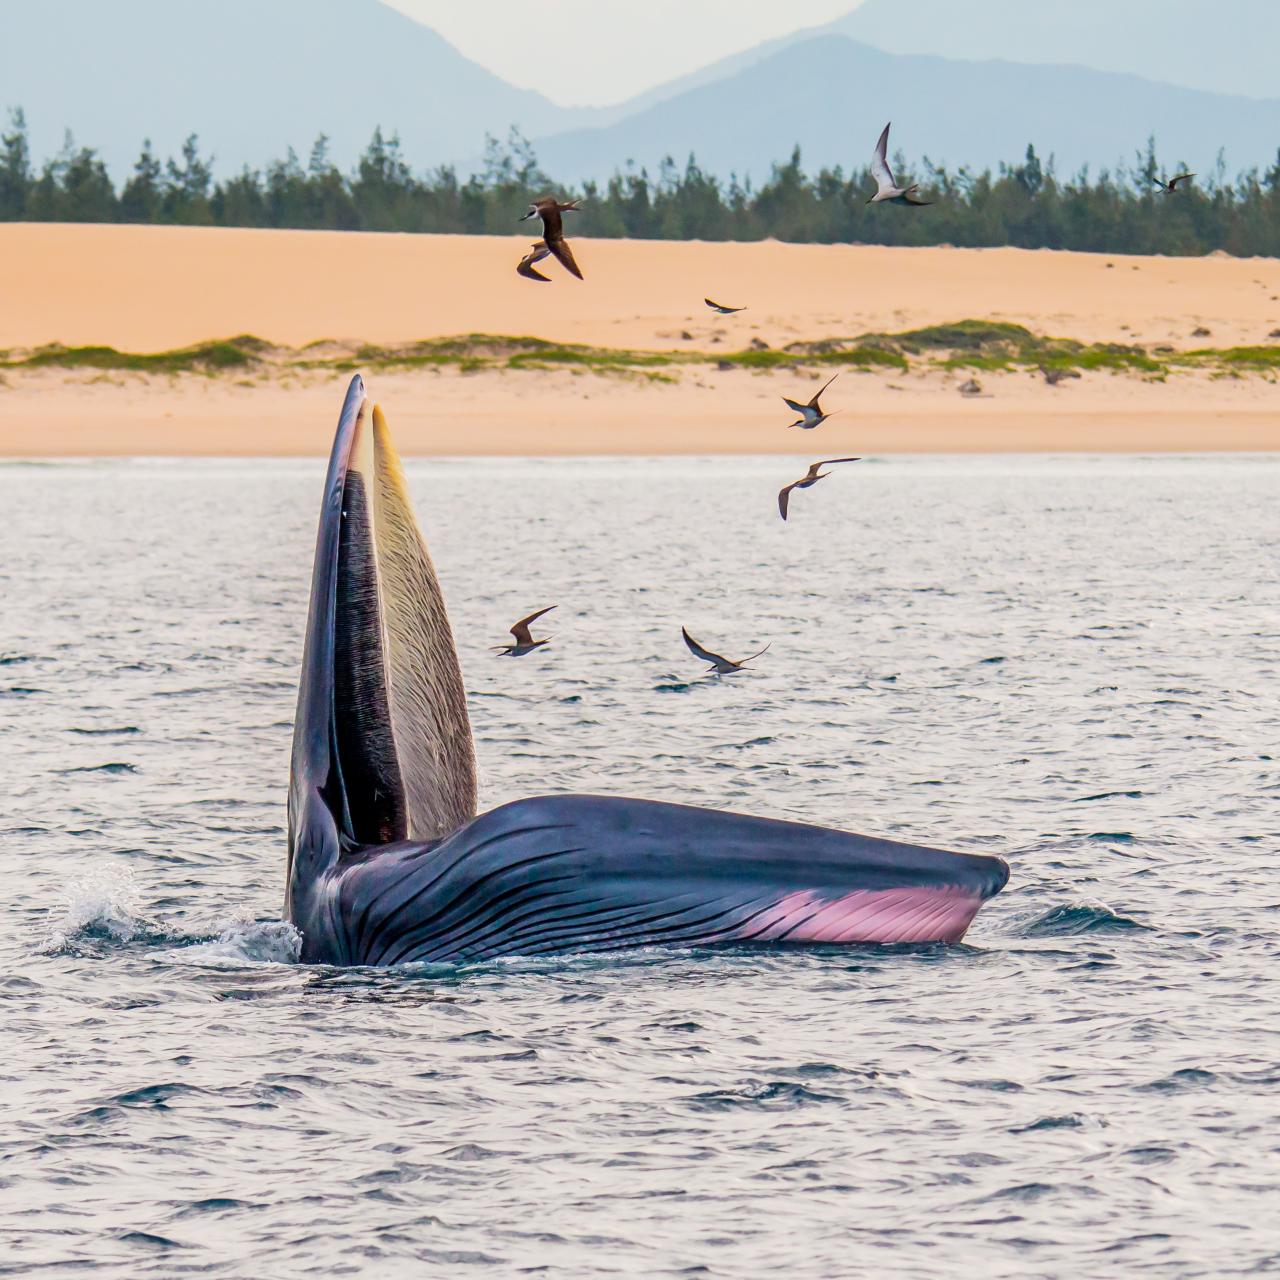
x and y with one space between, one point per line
103 910
1076 918
102 906
767 1095
116 767
244 941
1072 1120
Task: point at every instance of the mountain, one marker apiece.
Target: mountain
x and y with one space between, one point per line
832 95
251 77
1220 46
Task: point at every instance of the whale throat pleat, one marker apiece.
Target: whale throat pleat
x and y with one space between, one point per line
427 701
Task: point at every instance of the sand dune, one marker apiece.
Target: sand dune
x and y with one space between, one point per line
158 288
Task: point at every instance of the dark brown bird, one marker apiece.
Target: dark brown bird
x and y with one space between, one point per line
535 254
1172 185
807 481
525 643
811 414
721 308
549 210
721 666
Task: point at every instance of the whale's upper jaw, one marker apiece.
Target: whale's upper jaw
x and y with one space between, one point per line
382 744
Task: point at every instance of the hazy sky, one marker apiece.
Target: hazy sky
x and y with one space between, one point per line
635 44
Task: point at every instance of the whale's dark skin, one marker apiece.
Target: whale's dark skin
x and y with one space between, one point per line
387 863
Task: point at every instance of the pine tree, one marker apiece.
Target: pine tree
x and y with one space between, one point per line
143 194
15 168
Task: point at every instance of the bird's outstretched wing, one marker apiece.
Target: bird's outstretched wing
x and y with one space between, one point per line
521 628
880 170
831 462
794 405
719 306
813 404
784 496
526 268
742 662
1182 177
705 654
908 198
564 255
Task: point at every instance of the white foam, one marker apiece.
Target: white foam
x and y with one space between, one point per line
106 902
243 941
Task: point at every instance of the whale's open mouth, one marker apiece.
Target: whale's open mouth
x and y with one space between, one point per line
388 862
382 744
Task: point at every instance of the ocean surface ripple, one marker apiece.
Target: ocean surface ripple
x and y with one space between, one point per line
1068 662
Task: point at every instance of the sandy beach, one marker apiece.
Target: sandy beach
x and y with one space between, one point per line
152 289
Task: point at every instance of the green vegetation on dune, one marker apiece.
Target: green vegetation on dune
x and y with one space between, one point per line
483 350
1240 357
1060 354
468 346
962 335
204 357
996 345
1102 355
597 359
966 344
861 353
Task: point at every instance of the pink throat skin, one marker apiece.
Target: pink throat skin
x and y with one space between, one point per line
883 915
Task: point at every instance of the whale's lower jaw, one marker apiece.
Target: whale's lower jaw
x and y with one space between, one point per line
555 875
581 923
916 914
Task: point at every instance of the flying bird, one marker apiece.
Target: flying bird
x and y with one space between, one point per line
549 209
814 474
887 189
721 308
721 666
525 643
1172 185
811 414
536 253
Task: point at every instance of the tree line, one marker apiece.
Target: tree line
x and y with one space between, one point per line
1026 204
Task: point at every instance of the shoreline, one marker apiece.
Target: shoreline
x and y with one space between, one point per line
1174 355
562 414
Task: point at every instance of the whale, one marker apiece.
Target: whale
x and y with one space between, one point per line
390 863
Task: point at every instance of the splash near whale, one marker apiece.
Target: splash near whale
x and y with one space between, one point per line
388 861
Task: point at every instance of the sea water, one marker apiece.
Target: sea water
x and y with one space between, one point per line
1069 662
